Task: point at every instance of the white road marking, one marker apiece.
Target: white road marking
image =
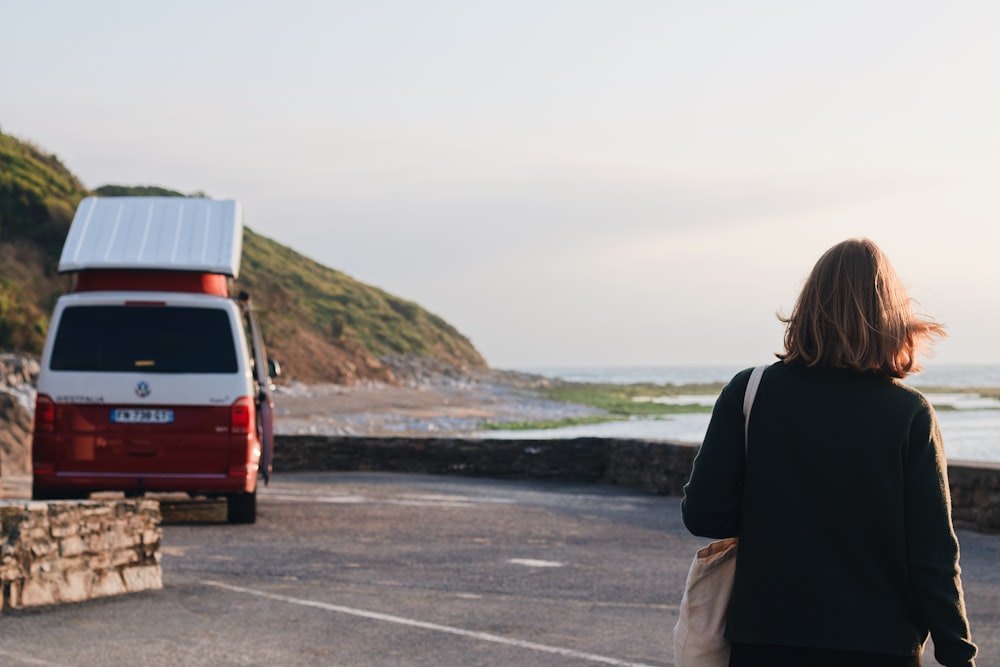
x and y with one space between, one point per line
30 661
399 620
411 500
344 499
179 552
531 562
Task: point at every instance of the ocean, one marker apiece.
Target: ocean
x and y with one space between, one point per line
970 423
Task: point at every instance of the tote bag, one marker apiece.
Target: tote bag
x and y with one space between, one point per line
699 636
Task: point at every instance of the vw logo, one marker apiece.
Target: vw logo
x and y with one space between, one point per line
142 389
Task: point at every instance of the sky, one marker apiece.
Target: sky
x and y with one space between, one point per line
568 182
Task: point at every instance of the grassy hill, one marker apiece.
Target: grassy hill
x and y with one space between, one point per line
331 321
323 325
38 197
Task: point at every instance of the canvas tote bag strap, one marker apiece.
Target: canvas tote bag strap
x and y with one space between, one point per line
748 397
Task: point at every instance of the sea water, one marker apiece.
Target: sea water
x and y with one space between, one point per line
970 423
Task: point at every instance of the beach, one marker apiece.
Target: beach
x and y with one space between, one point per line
432 403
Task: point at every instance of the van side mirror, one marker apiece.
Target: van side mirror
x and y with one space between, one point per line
273 368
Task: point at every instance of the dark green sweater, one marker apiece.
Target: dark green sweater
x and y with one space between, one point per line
843 513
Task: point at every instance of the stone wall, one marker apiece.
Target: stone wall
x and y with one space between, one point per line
657 467
582 459
70 551
975 495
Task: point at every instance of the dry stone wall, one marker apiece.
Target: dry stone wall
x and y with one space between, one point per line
69 551
975 495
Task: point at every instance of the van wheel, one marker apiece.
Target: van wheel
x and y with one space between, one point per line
242 507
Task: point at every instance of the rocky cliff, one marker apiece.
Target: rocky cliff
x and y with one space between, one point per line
18 375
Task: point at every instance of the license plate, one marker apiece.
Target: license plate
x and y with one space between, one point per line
141 416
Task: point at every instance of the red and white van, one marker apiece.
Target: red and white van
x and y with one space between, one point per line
153 378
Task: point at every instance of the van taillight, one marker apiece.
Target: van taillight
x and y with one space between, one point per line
241 416
45 414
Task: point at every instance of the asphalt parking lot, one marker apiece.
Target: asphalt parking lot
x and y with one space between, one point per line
366 570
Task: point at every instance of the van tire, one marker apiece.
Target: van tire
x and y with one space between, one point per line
42 493
242 507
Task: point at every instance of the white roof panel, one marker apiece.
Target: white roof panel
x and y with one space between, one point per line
173 233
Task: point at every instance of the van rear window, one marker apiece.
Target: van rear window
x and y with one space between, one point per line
150 339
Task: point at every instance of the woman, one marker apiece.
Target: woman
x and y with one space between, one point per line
847 554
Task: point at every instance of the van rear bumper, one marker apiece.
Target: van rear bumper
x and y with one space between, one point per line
194 483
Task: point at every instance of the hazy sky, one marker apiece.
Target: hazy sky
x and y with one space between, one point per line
571 182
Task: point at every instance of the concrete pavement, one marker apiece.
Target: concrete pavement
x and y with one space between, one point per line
377 570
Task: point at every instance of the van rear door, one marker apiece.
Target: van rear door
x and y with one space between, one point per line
163 380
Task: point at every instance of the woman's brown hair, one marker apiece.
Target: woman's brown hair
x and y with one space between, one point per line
853 312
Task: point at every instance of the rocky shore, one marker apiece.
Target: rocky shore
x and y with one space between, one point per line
430 398
18 375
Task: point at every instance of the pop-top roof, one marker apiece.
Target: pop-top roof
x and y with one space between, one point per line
172 233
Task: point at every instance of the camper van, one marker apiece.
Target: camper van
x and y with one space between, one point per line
154 378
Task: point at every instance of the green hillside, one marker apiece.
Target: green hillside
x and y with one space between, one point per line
323 325
38 197
303 304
